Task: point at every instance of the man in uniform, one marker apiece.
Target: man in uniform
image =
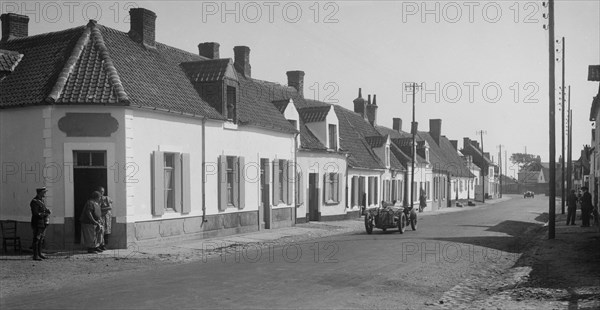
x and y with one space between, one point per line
39 222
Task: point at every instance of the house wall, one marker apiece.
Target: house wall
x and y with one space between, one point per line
321 163
352 172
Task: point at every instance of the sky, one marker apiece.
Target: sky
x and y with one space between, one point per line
481 65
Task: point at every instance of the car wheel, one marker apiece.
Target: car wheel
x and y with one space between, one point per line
402 223
369 223
413 223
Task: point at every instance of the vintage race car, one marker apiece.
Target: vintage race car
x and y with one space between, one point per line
389 216
528 194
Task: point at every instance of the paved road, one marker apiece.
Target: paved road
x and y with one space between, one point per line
356 270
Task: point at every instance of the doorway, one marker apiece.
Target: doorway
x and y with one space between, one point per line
313 197
89 172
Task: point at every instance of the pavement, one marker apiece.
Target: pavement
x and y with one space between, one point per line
190 249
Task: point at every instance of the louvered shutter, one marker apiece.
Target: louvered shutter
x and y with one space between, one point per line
285 182
275 182
241 183
300 187
326 187
186 188
158 187
222 183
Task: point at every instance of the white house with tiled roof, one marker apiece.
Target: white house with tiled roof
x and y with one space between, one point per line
187 145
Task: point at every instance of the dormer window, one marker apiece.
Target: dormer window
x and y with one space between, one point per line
387 156
333 137
231 108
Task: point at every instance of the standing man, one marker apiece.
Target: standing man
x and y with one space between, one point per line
571 207
39 221
586 207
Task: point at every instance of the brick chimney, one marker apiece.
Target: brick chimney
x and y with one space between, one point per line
359 104
242 60
435 129
466 142
14 26
454 144
397 124
296 80
475 144
209 50
372 111
143 26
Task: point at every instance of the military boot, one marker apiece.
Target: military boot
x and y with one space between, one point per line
39 251
35 249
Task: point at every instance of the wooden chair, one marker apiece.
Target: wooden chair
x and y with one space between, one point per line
9 235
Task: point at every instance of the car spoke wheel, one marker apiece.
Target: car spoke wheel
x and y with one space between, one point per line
369 223
402 223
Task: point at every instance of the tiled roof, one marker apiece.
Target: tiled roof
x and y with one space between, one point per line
529 176
443 157
210 70
353 129
393 133
99 65
281 105
308 139
478 157
9 60
256 104
315 113
376 141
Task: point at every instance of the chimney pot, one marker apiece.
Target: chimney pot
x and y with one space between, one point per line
209 50
242 60
143 26
397 124
14 26
372 111
296 80
369 100
359 104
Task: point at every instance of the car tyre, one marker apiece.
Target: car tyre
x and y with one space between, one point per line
369 223
402 223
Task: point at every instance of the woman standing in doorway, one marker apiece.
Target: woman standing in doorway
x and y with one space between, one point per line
105 207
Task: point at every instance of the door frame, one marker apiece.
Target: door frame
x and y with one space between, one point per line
111 177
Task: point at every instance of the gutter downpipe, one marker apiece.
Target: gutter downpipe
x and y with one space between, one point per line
204 220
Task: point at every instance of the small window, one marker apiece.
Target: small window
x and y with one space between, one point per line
282 180
331 188
333 137
231 102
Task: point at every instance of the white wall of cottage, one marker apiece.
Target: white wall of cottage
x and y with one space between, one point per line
321 163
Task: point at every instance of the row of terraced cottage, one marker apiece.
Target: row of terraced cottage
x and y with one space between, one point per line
191 145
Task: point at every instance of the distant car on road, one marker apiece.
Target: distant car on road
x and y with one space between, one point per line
528 194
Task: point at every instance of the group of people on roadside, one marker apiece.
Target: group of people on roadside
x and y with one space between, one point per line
96 220
585 201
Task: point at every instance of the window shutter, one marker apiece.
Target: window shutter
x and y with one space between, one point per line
177 183
158 186
291 180
222 183
275 182
267 175
186 189
371 193
236 181
300 187
336 187
241 183
326 187
355 192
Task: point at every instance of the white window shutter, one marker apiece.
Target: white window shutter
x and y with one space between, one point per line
336 187
186 189
241 183
222 183
326 187
158 186
300 187
236 183
177 184
275 182
290 176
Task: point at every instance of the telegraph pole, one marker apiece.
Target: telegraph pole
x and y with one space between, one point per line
483 166
569 144
551 119
413 130
562 161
